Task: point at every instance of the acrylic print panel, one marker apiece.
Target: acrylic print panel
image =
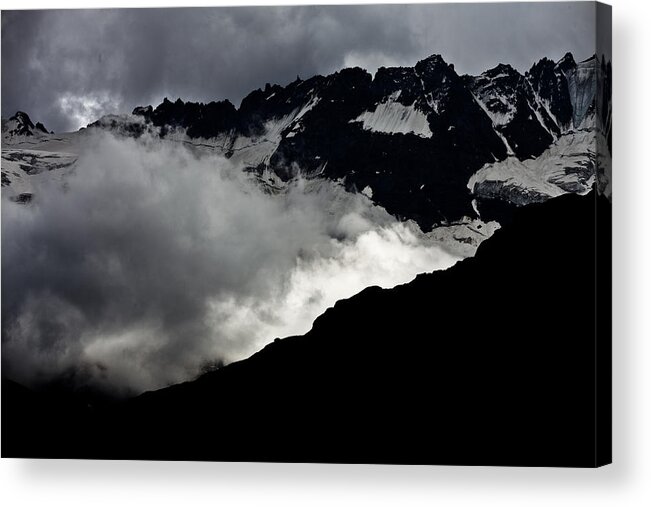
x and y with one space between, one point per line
368 234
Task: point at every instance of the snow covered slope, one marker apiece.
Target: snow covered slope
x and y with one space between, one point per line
31 154
568 165
20 125
392 117
23 169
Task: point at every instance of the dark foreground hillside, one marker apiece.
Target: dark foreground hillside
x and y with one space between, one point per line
491 362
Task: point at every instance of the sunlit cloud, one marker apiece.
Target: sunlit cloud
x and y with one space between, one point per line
84 109
152 263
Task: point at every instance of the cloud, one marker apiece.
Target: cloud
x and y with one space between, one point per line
85 109
130 57
152 263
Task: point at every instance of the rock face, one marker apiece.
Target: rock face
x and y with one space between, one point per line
412 137
556 119
464 366
422 142
536 108
506 96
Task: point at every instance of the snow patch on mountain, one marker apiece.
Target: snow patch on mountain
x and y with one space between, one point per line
32 155
463 238
501 111
392 117
540 106
495 119
24 170
368 192
568 165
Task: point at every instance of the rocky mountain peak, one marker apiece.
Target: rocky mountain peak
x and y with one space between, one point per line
435 69
566 63
434 61
426 123
501 70
20 124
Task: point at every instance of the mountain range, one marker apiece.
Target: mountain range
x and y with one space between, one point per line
492 361
422 142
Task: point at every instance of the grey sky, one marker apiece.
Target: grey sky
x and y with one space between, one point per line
66 68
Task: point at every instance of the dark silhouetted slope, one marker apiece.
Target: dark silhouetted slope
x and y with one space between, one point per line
492 361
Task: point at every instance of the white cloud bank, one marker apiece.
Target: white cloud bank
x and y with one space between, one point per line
152 263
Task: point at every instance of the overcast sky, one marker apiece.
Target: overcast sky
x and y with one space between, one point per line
66 68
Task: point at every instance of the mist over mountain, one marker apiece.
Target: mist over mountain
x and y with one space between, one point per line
492 361
168 241
184 261
415 135
342 234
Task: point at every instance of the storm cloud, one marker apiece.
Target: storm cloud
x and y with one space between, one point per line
67 68
152 264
